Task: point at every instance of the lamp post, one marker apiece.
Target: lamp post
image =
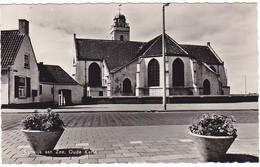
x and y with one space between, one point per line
163 55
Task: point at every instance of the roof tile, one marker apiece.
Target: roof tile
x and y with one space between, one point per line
10 44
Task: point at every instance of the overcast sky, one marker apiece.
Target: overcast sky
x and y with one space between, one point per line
230 28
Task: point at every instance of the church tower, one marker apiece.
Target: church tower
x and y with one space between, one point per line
120 29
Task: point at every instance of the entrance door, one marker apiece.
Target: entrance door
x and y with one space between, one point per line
65 97
206 87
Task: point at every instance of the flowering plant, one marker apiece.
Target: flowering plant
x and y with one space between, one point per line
47 121
214 125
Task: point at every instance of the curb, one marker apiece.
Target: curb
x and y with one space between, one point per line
146 111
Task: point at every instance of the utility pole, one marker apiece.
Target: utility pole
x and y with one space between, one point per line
163 55
245 84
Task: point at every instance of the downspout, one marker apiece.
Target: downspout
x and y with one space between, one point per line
8 73
53 95
85 78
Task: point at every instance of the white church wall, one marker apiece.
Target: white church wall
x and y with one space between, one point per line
129 72
205 73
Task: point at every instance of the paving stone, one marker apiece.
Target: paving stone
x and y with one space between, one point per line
121 151
131 154
69 161
137 150
90 161
114 155
97 156
50 162
107 160
125 160
160 157
136 142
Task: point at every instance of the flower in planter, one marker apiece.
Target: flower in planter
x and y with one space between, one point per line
214 125
47 121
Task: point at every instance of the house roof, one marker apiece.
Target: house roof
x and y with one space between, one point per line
154 47
202 54
115 53
54 74
10 44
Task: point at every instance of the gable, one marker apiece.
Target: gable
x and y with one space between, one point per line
10 44
154 48
115 53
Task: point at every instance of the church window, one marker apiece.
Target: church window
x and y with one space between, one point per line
121 38
153 73
94 73
178 72
127 87
206 87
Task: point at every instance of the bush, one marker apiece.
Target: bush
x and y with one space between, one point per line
214 125
47 121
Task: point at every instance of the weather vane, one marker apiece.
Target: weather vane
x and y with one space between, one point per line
119 8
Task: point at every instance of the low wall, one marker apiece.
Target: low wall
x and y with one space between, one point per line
172 99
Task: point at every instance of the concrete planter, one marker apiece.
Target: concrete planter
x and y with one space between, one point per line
212 148
41 140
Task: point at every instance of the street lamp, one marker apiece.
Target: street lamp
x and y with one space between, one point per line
163 55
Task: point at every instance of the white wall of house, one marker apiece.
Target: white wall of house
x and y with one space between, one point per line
4 87
18 69
49 96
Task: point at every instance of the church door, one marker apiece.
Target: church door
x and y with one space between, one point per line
178 72
94 74
206 87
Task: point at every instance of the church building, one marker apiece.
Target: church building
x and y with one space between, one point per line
120 67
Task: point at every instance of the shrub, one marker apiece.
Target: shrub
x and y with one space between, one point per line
214 125
47 121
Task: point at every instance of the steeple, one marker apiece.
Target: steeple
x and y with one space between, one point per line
120 30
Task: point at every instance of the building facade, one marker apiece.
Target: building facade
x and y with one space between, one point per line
19 71
120 67
23 81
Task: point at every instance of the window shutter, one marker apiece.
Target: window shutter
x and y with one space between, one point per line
16 86
28 86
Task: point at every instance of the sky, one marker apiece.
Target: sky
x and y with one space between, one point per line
230 28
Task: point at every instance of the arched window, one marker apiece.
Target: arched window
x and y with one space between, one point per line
213 68
153 73
178 72
127 87
206 87
121 38
94 74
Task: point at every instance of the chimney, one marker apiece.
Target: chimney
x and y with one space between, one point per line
208 43
24 26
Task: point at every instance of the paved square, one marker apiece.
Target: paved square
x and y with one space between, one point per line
124 144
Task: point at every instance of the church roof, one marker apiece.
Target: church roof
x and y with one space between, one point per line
54 74
154 47
120 53
11 41
115 53
202 54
